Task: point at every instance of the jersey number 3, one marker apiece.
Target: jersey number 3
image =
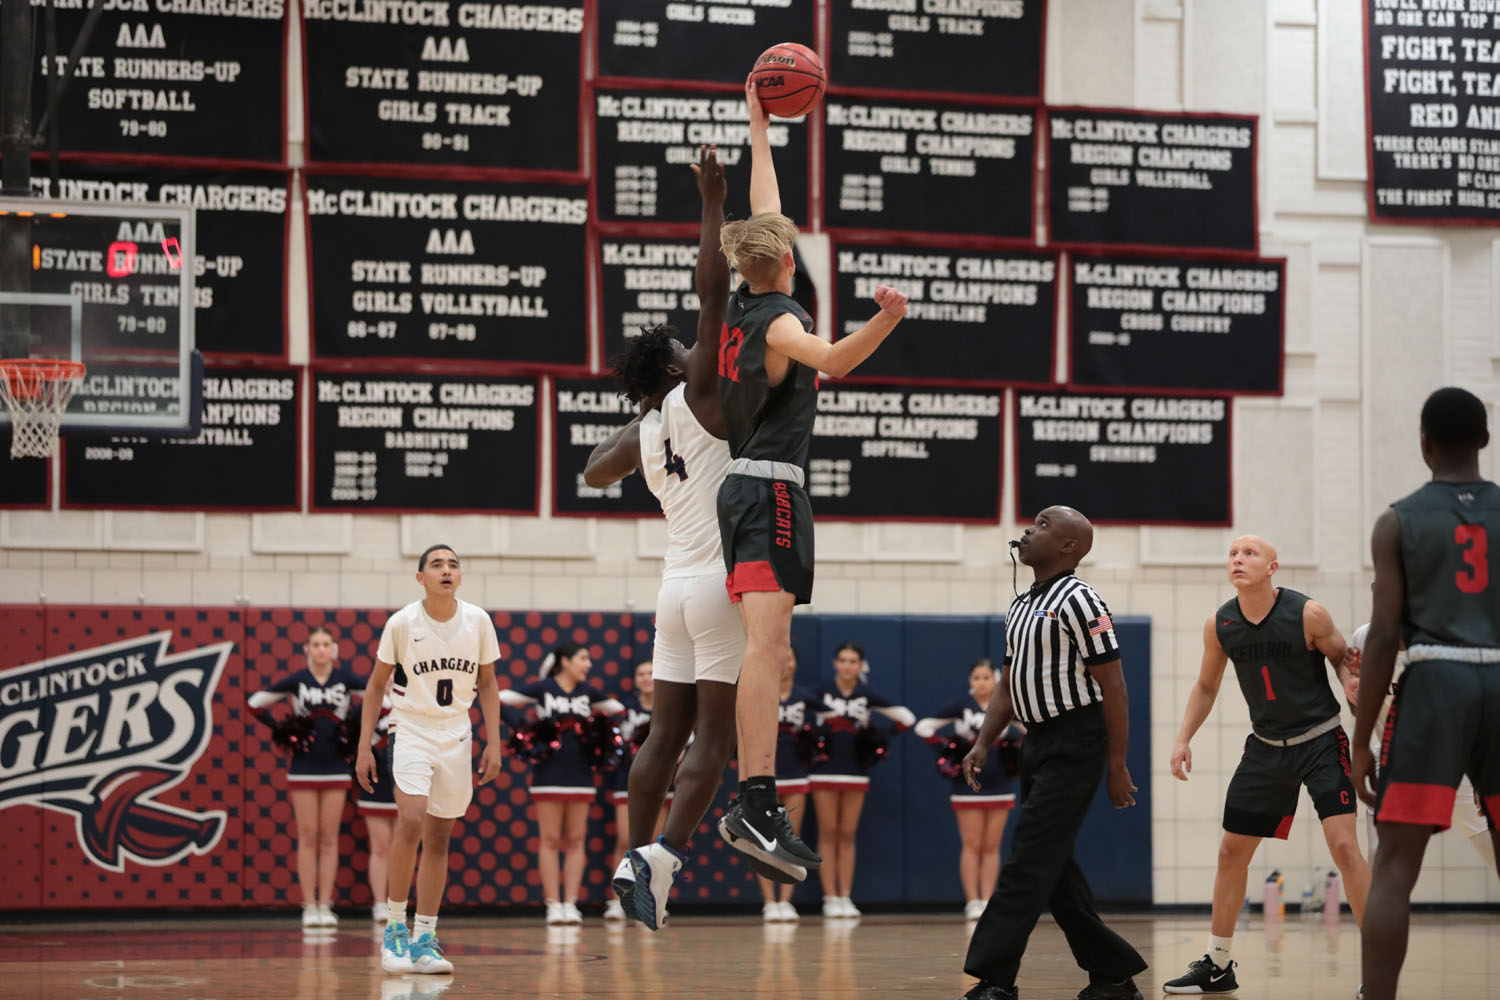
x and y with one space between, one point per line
1476 543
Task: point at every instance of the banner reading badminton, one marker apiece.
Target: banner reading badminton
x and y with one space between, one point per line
645 283
588 412
711 42
1432 88
1124 459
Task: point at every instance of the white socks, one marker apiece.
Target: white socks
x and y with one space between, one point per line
397 908
425 925
1218 950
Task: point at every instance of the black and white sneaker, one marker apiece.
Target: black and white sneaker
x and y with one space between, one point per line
1203 976
766 835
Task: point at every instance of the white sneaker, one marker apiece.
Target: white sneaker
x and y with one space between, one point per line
571 914
380 913
555 914
788 912
395 949
831 907
847 908
326 917
427 957
655 868
974 909
310 916
770 913
613 910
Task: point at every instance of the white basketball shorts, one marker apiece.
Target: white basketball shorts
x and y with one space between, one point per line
436 762
699 635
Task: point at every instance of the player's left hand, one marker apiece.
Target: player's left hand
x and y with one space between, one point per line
1364 775
890 300
759 118
489 763
1121 787
710 174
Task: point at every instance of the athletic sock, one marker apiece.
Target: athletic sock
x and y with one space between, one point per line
397 911
759 791
680 855
1218 950
425 925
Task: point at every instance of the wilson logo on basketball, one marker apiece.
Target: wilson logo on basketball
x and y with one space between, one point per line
775 57
98 734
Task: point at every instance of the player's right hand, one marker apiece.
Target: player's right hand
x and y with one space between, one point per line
974 762
364 769
1364 775
1182 761
759 117
890 300
710 174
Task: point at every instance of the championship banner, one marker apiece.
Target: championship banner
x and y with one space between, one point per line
448 271
944 168
417 444
989 49
587 412
442 84
644 141
1124 459
710 42
179 79
1432 99
1169 180
896 453
1161 323
239 259
982 317
646 282
252 419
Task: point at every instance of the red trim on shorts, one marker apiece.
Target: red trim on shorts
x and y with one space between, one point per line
793 786
1492 810
839 783
617 798
564 795
751 577
1284 828
376 808
323 780
988 803
1417 803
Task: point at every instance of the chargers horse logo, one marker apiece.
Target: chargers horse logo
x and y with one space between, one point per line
100 733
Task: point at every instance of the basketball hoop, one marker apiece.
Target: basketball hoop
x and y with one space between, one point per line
36 391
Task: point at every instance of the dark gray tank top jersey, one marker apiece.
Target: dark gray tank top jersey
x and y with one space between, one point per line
1285 683
764 422
1446 553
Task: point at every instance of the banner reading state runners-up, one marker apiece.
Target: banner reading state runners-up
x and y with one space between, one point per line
444 83
1124 459
1151 179
448 271
981 316
1433 93
886 452
588 412
715 41
1164 323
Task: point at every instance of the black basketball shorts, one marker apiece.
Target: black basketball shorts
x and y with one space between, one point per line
1263 793
1443 723
767 529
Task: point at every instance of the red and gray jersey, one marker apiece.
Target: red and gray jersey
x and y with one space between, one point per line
1284 682
1445 554
765 422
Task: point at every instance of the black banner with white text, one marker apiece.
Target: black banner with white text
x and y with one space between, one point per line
588 412
647 282
716 42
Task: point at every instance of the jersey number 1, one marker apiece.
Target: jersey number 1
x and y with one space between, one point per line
1265 673
1475 542
445 691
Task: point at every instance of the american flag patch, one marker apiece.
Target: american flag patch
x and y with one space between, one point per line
1100 624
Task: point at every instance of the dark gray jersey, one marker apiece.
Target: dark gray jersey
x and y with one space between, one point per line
773 423
1284 683
1445 529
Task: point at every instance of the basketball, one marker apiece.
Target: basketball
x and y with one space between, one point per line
789 79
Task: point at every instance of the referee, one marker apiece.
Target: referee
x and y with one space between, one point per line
1061 678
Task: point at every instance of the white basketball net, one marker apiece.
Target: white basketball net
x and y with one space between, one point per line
36 392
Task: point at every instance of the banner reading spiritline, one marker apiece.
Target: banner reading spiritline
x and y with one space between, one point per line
100 733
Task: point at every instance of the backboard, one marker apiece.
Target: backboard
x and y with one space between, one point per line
110 284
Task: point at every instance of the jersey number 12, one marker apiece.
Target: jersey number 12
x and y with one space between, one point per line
1475 541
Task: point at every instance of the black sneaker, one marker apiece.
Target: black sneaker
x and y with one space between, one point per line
766 835
1203 976
986 990
1123 990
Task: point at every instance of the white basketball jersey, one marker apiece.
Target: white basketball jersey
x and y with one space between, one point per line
684 466
437 663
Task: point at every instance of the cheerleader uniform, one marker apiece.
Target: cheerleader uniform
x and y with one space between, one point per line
564 776
323 765
636 715
997 790
845 716
798 709
381 801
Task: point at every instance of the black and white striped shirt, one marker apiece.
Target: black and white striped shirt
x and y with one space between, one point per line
1053 633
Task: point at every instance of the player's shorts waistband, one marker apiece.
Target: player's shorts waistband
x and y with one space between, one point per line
1461 654
762 468
1312 734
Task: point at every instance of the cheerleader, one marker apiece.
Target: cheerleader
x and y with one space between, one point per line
981 815
318 779
378 808
839 784
562 786
633 727
799 708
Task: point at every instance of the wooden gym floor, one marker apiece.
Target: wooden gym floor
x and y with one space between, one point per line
1452 957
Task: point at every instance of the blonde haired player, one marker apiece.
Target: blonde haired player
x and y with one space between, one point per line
442 651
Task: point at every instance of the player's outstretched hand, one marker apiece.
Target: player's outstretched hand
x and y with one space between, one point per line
710 174
1364 775
364 769
759 118
1121 787
489 763
974 762
1182 761
890 300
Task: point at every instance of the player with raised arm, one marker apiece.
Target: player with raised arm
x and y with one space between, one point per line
768 370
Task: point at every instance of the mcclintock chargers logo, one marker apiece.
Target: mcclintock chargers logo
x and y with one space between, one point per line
99 733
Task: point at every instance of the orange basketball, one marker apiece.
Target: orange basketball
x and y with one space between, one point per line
789 79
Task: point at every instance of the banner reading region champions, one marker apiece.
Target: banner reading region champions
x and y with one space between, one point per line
646 282
709 41
246 457
202 79
588 412
895 453
1124 459
439 83
645 140
416 444
929 168
973 316
1163 323
1151 179
992 47
448 271
1433 93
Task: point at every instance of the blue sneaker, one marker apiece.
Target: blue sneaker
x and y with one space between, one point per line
427 956
655 867
395 951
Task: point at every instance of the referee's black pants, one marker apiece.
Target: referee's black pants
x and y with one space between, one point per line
1062 761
